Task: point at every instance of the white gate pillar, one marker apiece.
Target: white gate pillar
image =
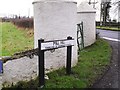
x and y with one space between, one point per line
55 19
87 14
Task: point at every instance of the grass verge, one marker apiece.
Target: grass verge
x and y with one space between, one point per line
0 39
108 28
15 39
91 64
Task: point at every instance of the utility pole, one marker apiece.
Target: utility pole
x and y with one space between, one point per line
89 1
94 2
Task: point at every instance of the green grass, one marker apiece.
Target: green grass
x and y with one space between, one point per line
108 28
15 39
0 39
91 64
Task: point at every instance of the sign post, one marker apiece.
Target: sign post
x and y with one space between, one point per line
68 63
41 64
50 45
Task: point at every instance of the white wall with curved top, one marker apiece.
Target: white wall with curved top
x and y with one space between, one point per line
56 19
86 14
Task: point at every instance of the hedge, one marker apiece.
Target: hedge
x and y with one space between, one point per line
24 22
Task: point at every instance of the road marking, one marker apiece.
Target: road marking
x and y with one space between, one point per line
112 39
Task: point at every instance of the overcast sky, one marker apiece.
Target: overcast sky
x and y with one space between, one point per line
23 7
15 7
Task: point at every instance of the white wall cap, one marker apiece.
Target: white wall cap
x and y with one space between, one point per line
70 1
85 7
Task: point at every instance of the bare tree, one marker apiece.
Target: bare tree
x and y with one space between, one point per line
117 8
105 9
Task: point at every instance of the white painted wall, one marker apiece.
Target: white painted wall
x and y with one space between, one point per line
87 14
56 19
25 69
19 70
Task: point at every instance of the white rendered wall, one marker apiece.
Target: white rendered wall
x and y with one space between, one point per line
87 15
89 29
23 69
55 19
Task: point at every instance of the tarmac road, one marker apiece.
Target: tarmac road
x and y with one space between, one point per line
109 34
111 77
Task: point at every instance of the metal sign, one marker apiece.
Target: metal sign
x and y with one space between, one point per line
56 44
49 45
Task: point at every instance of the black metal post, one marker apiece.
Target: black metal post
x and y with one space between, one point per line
69 55
41 64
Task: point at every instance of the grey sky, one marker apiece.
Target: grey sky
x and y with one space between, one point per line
25 7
